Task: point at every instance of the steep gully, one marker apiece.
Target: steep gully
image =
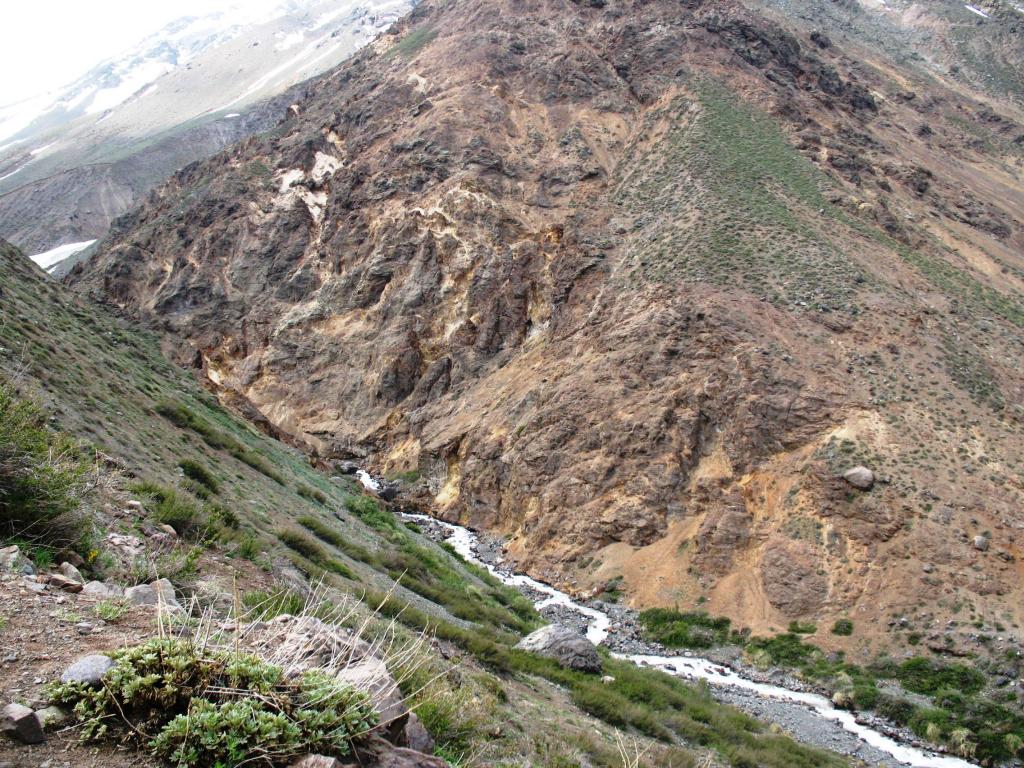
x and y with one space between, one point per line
882 750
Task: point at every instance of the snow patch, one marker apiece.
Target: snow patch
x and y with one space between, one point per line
55 256
978 11
232 115
289 41
145 73
42 149
16 170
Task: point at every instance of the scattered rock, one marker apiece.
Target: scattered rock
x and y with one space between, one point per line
400 757
60 581
21 723
68 571
415 736
88 669
52 717
316 761
860 477
564 645
981 543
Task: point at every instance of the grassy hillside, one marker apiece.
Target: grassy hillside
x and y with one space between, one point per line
235 495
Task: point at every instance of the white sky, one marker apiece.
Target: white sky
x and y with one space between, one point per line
47 44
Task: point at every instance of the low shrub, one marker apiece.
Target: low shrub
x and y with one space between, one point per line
843 628
312 494
314 553
204 707
798 628
200 474
684 630
369 511
42 479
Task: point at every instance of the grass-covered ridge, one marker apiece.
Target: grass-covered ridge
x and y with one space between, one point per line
719 195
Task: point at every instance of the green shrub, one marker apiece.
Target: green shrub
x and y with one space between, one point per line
168 507
797 628
42 478
267 605
312 494
111 610
787 649
684 630
206 708
922 675
369 511
257 462
843 627
314 553
200 474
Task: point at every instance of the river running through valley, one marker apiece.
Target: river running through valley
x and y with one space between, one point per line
809 717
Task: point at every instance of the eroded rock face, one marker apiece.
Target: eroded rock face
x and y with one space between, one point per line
536 262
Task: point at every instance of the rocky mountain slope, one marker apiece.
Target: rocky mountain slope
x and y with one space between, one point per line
635 285
191 540
72 161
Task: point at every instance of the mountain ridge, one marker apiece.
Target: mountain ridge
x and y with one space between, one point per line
633 285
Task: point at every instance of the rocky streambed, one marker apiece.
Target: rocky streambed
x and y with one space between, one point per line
773 696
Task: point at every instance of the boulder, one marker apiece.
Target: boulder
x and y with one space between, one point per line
20 722
11 559
143 594
102 591
52 718
69 571
566 646
165 592
860 477
88 669
981 543
371 675
415 736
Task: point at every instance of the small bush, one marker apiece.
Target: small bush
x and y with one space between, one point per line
42 478
171 508
684 630
787 649
369 511
257 462
312 494
207 707
200 474
843 627
798 628
314 553
111 610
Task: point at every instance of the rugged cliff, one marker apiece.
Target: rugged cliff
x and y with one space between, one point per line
633 283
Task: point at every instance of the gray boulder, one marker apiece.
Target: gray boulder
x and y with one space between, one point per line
563 644
371 675
143 594
981 543
102 591
88 669
860 477
20 722
11 559
415 735
316 761
70 572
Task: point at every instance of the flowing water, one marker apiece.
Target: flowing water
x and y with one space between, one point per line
464 541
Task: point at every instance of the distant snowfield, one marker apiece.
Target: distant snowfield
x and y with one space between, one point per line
54 256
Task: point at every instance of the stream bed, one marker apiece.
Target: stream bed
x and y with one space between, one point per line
807 716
